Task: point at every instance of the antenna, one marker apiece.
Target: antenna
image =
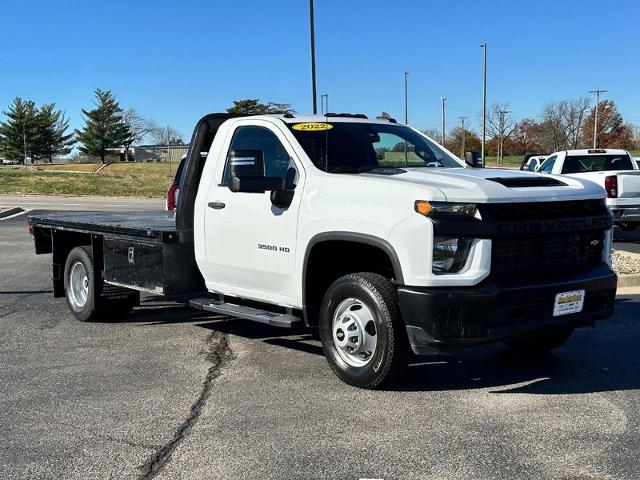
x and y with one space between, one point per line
326 131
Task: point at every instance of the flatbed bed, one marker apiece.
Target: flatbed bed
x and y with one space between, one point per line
152 225
142 251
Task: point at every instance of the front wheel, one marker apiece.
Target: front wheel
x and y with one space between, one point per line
541 344
361 332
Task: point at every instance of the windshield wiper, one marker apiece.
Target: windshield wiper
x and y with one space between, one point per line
351 169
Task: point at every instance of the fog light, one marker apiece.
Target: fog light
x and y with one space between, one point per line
450 254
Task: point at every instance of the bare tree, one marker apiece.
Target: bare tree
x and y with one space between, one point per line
166 136
139 127
552 127
432 133
574 113
500 125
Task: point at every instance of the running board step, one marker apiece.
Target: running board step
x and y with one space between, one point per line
284 320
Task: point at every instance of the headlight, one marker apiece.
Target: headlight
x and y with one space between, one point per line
444 208
450 254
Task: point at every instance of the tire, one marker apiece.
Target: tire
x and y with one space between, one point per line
84 294
79 284
363 307
541 344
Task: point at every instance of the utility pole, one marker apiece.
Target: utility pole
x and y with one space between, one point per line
406 98
168 149
313 57
484 101
595 118
464 136
324 103
444 99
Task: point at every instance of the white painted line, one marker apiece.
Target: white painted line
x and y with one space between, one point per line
14 215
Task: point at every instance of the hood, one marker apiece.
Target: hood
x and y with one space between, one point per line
486 185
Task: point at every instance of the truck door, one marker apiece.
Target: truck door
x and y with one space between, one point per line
250 242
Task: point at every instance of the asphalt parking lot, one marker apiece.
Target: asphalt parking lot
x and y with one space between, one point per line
177 394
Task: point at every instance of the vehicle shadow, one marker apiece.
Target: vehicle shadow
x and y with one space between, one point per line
153 312
595 360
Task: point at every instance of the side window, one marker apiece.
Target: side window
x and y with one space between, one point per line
276 158
547 166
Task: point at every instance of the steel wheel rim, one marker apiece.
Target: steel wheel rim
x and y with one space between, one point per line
78 286
354 332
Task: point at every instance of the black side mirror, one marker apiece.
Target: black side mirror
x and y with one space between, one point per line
255 184
468 159
473 159
247 173
283 198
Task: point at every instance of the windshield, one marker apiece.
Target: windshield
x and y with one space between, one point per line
596 163
350 147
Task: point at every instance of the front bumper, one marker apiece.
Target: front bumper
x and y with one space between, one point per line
626 214
443 317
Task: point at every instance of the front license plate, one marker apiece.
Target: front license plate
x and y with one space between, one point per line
568 302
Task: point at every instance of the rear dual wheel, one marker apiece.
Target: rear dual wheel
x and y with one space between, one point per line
83 296
362 336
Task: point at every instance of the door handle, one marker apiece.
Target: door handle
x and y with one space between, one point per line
216 205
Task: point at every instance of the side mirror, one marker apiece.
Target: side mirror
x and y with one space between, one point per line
473 159
255 184
282 198
247 173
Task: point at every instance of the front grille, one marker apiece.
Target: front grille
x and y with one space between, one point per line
541 256
542 210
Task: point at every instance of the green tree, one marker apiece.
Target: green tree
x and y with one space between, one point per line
53 138
253 106
105 127
20 133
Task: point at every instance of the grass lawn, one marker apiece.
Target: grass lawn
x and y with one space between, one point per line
117 180
68 167
512 161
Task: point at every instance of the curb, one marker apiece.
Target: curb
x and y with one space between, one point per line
630 280
10 212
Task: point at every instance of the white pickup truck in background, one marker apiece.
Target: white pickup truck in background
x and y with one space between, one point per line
612 169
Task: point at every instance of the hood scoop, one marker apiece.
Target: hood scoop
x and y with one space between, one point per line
526 181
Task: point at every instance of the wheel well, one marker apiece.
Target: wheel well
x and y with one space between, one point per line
62 243
331 259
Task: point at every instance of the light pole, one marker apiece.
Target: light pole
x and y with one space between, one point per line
313 57
595 118
444 99
464 137
484 101
406 98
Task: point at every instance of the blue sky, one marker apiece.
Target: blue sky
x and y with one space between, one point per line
176 60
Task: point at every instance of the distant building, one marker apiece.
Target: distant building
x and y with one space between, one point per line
160 153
